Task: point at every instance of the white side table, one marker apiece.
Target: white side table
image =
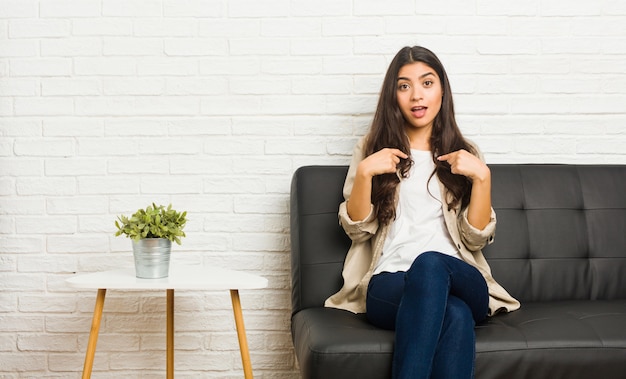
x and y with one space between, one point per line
181 277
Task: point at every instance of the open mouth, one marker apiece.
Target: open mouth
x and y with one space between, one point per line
419 111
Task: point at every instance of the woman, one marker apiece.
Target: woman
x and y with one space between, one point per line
418 211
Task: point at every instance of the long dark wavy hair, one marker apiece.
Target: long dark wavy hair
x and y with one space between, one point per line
388 130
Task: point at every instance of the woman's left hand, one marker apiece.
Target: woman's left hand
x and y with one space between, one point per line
464 163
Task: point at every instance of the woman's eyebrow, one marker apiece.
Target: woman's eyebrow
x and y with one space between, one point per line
420 77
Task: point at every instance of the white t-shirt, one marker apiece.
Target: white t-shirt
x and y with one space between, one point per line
419 225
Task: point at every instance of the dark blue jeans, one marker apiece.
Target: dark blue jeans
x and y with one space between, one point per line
433 307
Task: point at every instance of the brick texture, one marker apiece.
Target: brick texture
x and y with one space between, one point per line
211 105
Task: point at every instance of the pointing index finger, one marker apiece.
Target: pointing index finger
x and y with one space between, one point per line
399 153
447 157
444 157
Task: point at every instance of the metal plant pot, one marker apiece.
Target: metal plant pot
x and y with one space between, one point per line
152 257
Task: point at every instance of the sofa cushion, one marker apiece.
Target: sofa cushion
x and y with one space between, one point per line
333 343
561 339
569 339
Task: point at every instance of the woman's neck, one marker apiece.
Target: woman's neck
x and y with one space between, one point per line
419 139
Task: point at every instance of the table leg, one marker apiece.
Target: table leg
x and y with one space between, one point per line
93 334
170 334
241 334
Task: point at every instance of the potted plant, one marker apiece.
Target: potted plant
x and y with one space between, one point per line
152 231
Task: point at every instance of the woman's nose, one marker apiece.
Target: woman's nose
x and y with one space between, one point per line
417 94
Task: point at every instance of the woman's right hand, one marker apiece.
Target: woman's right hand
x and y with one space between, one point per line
384 161
381 162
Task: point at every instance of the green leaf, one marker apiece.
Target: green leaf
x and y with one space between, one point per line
153 222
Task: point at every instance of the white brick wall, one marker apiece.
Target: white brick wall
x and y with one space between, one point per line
107 105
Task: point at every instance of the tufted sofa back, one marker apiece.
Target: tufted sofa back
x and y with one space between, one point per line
318 243
561 232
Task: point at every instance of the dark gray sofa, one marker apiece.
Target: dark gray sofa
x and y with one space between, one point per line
560 249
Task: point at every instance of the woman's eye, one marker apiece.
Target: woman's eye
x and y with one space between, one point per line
428 83
403 86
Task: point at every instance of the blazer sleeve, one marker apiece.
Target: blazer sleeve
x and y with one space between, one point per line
473 238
